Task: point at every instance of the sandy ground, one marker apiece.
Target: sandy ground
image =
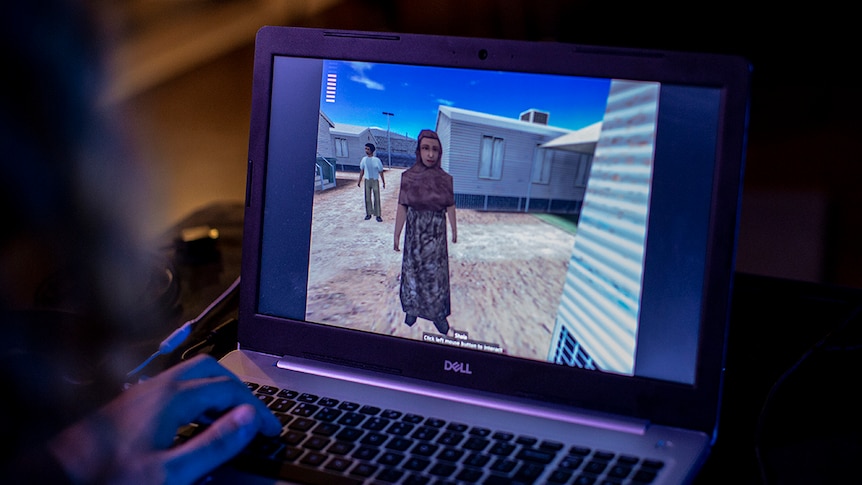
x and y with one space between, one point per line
506 273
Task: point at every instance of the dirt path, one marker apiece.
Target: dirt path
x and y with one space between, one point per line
506 273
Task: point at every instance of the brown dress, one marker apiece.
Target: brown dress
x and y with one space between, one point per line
426 193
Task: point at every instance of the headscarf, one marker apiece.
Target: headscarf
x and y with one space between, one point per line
426 188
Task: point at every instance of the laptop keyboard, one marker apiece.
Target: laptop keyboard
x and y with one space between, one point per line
328 441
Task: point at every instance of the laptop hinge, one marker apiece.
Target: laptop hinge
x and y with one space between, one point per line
456 394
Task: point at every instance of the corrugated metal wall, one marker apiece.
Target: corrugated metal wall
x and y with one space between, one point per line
600 303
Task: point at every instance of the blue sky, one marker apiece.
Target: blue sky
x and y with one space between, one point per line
363 91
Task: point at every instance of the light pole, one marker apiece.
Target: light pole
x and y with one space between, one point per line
388 140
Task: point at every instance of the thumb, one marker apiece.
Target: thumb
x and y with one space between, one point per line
222 440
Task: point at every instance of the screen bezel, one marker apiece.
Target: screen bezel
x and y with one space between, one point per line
689 406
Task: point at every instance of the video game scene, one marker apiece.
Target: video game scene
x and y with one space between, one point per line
495 211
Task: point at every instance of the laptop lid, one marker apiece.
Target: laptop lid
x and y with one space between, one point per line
609 180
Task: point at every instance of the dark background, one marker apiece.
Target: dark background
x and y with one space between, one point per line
799 263
801 192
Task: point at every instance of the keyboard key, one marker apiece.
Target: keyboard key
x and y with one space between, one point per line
435 422
287 394
504 465
268 390
370 410
340 448
475 443
469 475
571 462
579 451
326 429
535 456
291 453
305 409
502 449
366 453
450 454
400 428
391 414
457 427
595 467
560 476
526 440
619 471
416 463
442 469
338 464
327 414
374 439
315 443
349 434
281 405
425 433
302 424
628 460
413 418
293 437
528 472
390 475
364 469
375 424
348 406
416 480
551 446
351 419
450 438
328 402
390 458
313 459
425 449
477 460
399 444
604 455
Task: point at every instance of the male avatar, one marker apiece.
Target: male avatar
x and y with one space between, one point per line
370 168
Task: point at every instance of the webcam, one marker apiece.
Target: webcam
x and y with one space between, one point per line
483 54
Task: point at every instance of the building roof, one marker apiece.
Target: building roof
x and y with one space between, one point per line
501 121
345 129
583 140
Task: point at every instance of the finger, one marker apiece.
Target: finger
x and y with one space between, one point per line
222 440
193 399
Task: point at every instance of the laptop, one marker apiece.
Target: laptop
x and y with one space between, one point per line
585 293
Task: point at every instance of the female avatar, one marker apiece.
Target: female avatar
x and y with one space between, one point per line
425 201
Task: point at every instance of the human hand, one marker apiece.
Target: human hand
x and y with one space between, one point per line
130 439
396 246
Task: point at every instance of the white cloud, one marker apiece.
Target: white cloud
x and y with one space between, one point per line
361 77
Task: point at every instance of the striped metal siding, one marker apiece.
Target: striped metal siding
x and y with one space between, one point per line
600 302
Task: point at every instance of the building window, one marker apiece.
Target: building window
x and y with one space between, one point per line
542 158
491 158
340 147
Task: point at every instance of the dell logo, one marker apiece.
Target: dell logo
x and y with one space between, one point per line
463 368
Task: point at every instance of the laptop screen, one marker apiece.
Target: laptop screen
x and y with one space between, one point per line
581 205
